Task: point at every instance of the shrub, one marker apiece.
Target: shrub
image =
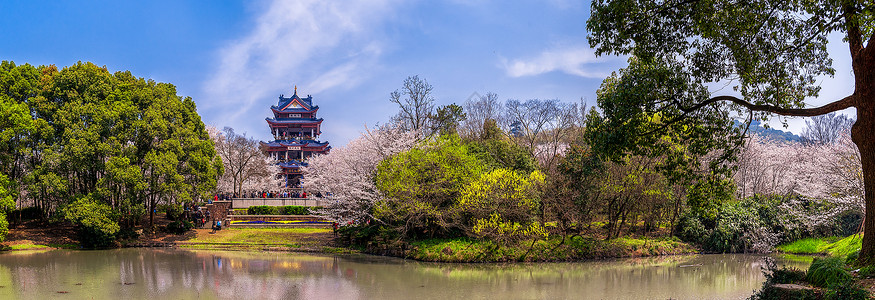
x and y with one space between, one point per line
294 210
179 227
173 211
824 271
261 210
691 229
775 275
95 220
281 210
846 291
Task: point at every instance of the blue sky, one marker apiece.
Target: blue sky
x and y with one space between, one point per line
236 57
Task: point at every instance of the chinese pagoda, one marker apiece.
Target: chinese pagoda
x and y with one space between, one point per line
295 129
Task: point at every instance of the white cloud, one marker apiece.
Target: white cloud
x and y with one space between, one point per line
315 44
576 61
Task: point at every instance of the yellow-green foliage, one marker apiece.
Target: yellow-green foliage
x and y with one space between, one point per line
503 204
422 185
433 171
503 230
502 186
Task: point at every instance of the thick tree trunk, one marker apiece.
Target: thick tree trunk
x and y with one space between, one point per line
863 135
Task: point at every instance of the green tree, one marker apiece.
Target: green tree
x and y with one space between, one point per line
422 185
126 142
446 119
770 52
6 204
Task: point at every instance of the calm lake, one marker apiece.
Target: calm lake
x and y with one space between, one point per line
140 273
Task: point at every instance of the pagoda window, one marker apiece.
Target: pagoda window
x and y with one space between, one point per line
294 115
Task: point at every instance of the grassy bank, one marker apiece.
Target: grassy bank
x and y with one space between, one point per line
833 246
552 249
277 239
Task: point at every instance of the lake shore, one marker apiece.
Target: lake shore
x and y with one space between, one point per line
34 235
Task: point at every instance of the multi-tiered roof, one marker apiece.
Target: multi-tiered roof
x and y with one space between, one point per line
295 129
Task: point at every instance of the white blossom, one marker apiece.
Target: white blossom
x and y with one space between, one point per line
345 176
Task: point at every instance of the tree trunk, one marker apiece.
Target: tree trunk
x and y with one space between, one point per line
151 212
863 135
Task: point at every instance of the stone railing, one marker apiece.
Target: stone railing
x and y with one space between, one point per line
247 202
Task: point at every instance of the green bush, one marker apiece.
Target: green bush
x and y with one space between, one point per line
825 271
173 211
846 291
775 275
281 210
179 227
786 275
261 210
95 221
691 229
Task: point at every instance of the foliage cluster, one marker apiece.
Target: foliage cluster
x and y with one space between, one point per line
179 227
281 210
100 149
756 224
830 273
442 189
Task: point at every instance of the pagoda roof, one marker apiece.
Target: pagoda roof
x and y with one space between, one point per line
294 109
293 121
301 143
294 103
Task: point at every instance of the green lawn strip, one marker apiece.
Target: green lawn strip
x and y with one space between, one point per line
290 237
845 246
807 245
834 246
31 246
551 249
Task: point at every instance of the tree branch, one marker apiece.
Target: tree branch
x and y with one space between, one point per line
846 102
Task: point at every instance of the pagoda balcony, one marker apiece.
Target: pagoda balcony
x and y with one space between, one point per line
292 138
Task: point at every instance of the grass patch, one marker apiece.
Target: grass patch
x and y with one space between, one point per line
27 247
32 246
833 246
300 237
551 249
845 246
807 245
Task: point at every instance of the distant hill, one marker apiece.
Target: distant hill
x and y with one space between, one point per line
778 135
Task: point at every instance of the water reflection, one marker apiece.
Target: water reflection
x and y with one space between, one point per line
182 274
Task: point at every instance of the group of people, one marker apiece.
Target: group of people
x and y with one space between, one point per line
264 194
199 216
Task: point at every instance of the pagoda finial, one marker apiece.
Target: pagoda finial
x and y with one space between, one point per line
296 89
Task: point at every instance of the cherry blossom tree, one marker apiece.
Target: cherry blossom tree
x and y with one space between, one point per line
345 176
829 171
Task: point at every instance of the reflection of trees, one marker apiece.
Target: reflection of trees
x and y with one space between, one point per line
175 274
168 273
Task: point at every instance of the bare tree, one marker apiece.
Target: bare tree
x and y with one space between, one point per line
543 127
826 129
478 111
415 103
246 167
